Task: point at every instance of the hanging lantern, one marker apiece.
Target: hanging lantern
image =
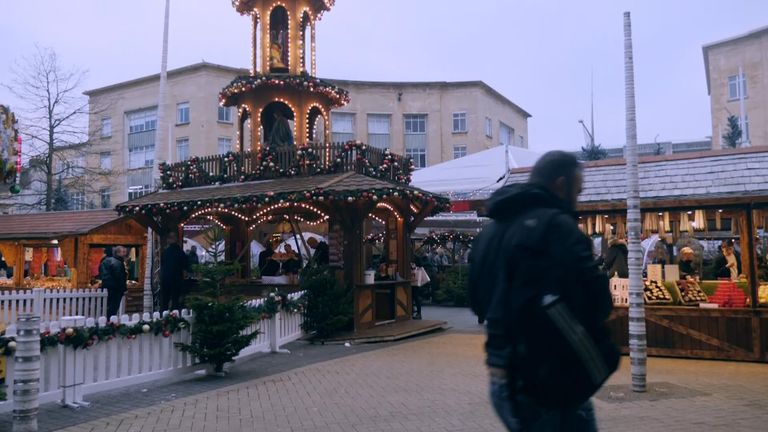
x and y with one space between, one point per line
757 219
590 226
621 227
667 223
685 223
699 220
599 225
718 220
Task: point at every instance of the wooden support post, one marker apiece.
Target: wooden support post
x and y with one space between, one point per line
751 255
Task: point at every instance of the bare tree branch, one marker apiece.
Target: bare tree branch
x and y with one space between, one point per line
54 124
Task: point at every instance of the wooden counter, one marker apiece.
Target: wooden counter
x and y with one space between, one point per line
382 302
692 332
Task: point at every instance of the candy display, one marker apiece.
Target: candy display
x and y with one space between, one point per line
655 293
762 295
46 282
6 283
691 293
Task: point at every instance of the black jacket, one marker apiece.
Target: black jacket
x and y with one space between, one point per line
113 274
533 243
173 264
616 260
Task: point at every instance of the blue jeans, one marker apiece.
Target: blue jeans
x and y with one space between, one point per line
526 415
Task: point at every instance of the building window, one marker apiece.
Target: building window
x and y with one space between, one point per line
737 87
459 151
225 114
141 138
506 135
106 127
744 129
416 138
488 127
459 122
105 161
142 121
522 141
225 145
72 167
139 182
182 149
105 197
78 201
182 113
378 130
342 127
419 156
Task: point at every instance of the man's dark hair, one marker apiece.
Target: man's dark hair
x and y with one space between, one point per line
553 165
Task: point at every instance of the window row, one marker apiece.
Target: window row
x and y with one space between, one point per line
146 120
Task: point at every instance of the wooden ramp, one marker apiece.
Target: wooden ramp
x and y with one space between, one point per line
390 332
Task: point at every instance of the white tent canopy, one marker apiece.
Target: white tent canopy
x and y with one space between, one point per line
474 176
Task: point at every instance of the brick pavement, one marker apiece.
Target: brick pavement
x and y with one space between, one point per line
439 384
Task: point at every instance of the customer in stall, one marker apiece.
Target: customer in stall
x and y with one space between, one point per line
616 259
728 262
268 266
292 263
382 274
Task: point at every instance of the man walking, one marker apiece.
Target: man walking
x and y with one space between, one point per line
533 278
173 264
114 278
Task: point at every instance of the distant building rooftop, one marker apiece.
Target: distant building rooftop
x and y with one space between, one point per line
659 148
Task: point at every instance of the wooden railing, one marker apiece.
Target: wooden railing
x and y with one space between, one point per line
286 161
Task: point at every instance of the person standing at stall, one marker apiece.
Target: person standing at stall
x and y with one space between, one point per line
616 259
173 264
728 262
114 278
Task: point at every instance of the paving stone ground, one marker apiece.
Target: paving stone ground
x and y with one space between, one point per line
438 383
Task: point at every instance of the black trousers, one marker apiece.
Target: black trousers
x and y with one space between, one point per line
416 295
170 295
114 297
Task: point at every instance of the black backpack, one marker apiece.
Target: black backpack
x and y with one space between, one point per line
553 357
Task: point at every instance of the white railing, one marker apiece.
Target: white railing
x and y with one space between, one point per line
121 361
53 304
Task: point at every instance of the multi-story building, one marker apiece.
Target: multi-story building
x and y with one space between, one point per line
737 83
125 120
433 122
429 121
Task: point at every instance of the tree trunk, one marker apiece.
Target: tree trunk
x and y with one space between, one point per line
637 334
50 166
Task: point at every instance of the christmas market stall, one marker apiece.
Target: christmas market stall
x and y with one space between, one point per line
704 244
63 250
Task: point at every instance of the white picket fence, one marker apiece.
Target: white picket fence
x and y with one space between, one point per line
53 304
120 362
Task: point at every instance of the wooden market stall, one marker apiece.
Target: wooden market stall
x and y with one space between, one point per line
63 250
697 201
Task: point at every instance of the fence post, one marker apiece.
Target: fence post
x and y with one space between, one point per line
26 378
72 372
37 302
274 335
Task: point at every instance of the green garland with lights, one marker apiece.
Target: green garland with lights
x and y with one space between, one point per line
86 337
277 302
191 172
304 82
443 238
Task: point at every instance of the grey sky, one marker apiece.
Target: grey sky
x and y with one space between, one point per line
539 53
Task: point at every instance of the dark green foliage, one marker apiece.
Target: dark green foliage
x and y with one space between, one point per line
217 331
732 137
60 198
328 304
453 287
593 152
